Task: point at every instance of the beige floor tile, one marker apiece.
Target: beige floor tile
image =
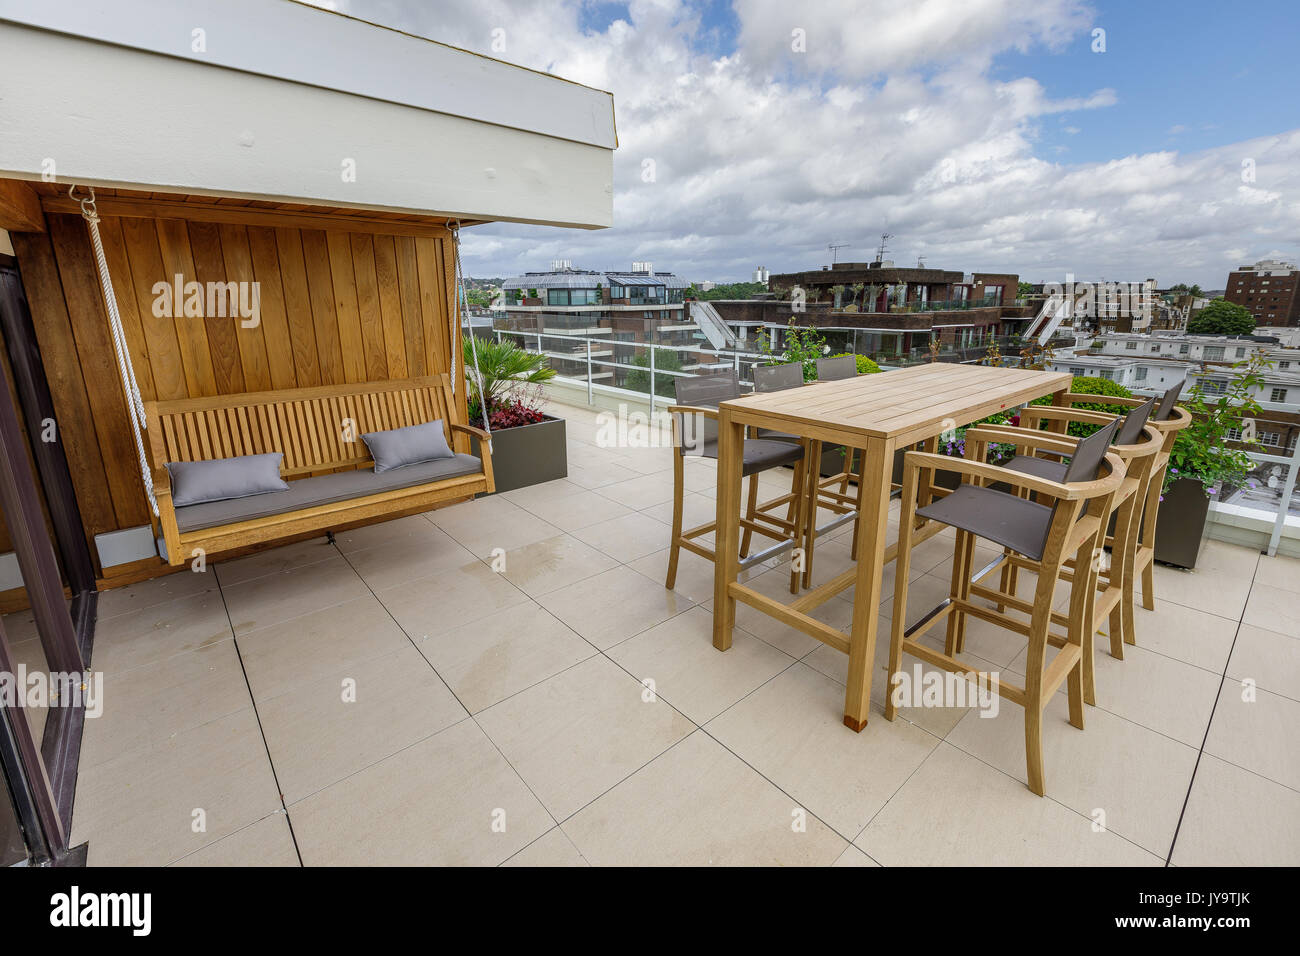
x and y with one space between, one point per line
1136 778
149 703
957 811
408 557
543 492
1271 660
1158 692
697 509
1182 633
553 848
159 631
791 731
487 660
178 584
20 626
139 809
1259 734
386 533
30 655
1224 560
613 606
314 646
1237 818
698 805
852 856
1279 571
694 573
689 673
649 461
274 560
641 492
429 606
1273 608
579 733
598 474
449 800
626 538
267 842
316 737
486 524
274 598
549 565
579 510
1204 590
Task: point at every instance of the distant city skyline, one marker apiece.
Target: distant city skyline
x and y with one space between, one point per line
1107 139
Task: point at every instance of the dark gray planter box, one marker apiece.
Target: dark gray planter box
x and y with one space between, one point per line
1180 527
528 454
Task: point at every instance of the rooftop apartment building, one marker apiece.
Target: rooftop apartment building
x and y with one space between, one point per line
1270 289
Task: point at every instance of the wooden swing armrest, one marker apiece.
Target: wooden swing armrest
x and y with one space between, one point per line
474 430
1075 491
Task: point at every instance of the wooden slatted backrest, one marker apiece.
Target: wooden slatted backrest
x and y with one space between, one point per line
311 426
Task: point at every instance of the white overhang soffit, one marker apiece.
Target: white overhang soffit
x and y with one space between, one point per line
272 97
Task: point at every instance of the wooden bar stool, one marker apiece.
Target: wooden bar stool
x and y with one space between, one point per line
1168 419
1137 445
695 435
1067 520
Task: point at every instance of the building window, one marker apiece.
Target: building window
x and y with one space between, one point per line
1155 346
1130 345
1076 369
1234 434
1214 353
1106 374
1214 386
1241 353
1182 349
1284 364
1290 443
1272 439
1277 395
1142 373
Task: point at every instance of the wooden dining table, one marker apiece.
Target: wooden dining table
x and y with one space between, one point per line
876 414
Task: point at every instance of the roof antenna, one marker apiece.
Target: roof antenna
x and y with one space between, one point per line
880 250
835 247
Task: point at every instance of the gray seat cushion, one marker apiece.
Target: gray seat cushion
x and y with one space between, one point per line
1038 467
1016 523
322 490
760 455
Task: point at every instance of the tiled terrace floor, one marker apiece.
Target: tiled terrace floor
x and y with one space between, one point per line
501 717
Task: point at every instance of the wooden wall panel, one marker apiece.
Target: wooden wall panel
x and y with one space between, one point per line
336 306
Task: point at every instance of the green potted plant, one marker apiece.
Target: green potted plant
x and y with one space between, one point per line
528 446
1204 462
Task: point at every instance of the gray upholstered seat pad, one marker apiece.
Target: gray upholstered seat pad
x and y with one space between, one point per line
1017 523
1038 467
322 490
760 455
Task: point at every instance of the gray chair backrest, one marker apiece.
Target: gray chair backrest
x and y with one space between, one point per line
833 369
1085 463
776 378
694 432
1134 422
1167 400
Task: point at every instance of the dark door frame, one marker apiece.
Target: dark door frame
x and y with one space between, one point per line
51 774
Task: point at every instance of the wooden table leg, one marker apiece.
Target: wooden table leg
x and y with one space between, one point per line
726 535
873 519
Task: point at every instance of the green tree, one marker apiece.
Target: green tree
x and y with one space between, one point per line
1024 290
665 361
1222 317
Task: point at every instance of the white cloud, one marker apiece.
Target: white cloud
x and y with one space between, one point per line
892 120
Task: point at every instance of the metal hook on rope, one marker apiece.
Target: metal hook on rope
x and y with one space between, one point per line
87 204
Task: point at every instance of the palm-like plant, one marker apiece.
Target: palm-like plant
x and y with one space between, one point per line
501 368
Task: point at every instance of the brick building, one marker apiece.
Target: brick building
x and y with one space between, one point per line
1270 289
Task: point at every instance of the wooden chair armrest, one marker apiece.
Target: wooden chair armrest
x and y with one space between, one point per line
1030 438
1075 491
1060 413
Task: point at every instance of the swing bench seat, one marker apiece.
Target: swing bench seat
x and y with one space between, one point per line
329 470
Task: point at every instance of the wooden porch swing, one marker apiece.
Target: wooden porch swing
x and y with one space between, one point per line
317 430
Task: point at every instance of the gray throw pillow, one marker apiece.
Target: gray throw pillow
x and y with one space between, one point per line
407 446
194 482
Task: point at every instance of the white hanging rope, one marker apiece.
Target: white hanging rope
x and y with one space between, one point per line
134 401
461 295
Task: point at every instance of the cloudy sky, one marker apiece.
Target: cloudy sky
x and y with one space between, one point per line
1116 139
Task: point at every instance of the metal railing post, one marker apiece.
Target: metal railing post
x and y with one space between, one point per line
589 382
1284 506
652 381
